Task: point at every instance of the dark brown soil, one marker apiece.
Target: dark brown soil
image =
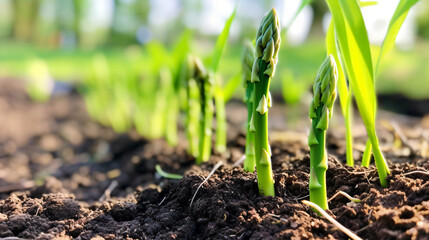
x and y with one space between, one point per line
65 177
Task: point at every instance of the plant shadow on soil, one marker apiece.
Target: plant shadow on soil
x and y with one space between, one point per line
55 165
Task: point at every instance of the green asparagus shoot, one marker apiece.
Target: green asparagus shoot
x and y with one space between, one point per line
206 88
200 109
324 90
267 48
247 62
192 105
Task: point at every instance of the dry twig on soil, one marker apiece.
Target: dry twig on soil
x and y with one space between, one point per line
205 180
108 191
332 220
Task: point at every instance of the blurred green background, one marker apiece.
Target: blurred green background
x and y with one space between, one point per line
67 34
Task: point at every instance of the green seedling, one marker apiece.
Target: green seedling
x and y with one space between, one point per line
267 48
346 93
395 25
355 52
247 63
166 174
348 31
324 90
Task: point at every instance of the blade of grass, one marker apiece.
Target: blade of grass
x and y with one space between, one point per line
303 4
367 3
158 55
221 43
395 24
231 86
180 51
166 174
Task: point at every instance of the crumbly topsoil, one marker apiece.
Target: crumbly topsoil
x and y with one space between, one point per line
65 177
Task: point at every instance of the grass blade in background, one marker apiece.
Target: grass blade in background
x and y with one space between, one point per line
395 25
221 43
231 86
303 4
367 3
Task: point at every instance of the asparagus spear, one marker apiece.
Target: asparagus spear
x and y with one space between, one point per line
192 106
205 82
324 90
267 48
247 62
200 109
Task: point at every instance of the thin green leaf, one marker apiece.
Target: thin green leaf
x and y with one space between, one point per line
166 174
303 4
331 47
221 43
231 86
357 62
180 50
394 27
353 16
158 55
367 3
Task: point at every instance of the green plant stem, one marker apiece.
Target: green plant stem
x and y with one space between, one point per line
166 174
366 157
262 147
206 101
380 162
249 162
318 164
267 48
348 118
192 114
220 122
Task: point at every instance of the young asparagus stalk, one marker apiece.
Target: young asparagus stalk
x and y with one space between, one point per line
199 118
324 90
267 48
206 87
247 62
192 106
